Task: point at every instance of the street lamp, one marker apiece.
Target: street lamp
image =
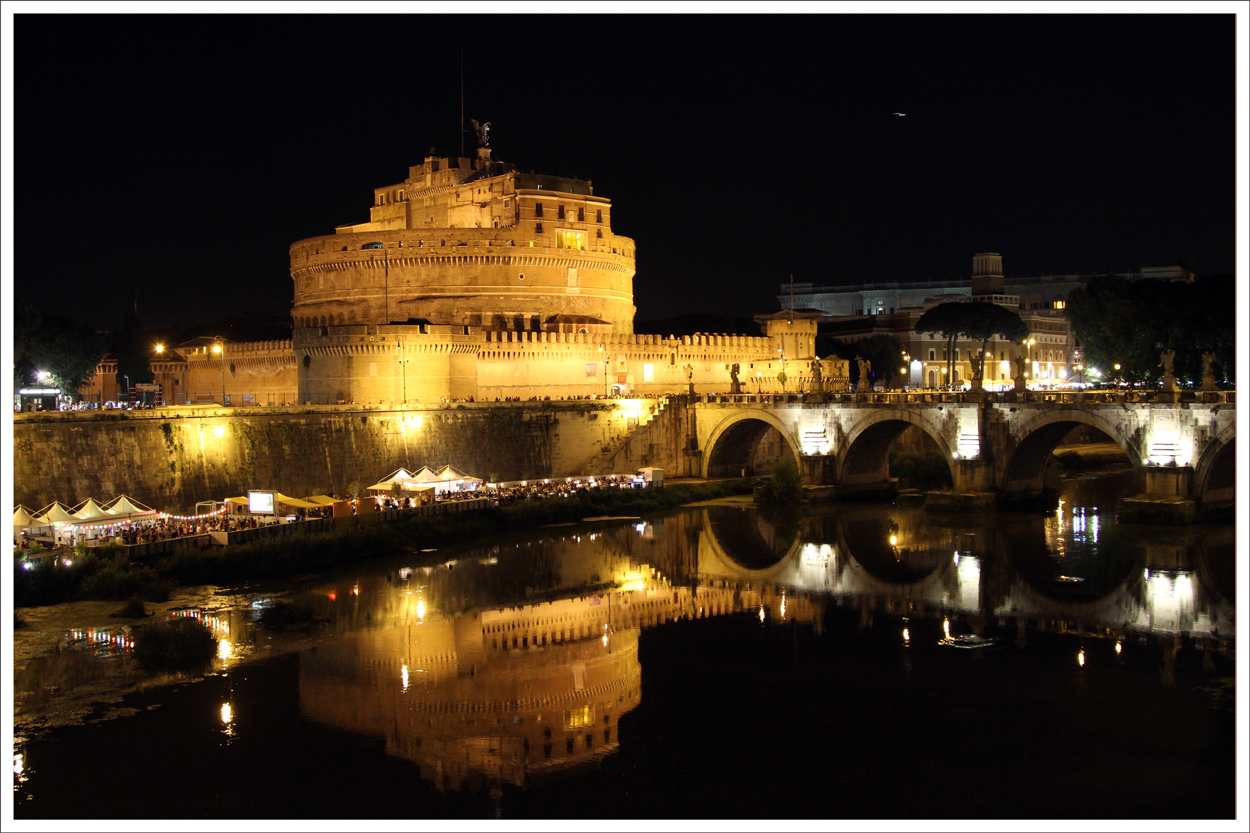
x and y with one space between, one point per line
403 363
606 361
759 380
219 347
1117 376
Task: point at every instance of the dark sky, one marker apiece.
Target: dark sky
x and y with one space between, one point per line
178 157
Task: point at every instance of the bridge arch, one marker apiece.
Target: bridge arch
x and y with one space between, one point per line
731 446
1215 472
747 560
864 456
1022 466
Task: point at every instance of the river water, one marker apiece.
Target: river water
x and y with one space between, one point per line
863 661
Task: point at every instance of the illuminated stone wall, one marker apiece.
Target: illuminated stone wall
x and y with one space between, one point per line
172 458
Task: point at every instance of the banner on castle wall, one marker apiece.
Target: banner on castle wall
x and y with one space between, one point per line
592 369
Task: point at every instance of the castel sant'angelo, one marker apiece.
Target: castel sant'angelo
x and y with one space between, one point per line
472 279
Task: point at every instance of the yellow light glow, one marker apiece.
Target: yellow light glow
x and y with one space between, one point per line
420 609
216 348
403 675
761 613
17 764
1118 647
219 430
946 627
906 635
1080 658
227 713
160 348
893 540
224 648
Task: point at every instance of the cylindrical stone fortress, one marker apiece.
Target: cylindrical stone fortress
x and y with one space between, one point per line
475 243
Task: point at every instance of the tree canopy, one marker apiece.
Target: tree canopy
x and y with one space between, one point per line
1131 322
978 321
132 348
62 347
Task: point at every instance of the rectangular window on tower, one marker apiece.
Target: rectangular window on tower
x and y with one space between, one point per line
570 240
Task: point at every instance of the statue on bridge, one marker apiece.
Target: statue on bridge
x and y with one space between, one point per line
1167 360
689 378
1018 362
735 386
865 374
1208 375
818 376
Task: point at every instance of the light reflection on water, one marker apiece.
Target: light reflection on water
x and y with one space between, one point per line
517 659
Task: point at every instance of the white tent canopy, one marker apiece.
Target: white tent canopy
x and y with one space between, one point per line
447 479
55 513
89 510
125 506
22 518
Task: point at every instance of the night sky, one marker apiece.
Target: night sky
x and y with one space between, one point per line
178 157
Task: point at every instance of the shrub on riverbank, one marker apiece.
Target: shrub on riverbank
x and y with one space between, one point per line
100 574
925 470
784 488
182 641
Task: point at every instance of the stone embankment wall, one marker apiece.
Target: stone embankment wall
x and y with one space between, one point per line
170 458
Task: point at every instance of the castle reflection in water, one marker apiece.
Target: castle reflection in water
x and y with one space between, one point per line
521 659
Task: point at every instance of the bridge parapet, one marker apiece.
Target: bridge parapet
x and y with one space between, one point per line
1180 442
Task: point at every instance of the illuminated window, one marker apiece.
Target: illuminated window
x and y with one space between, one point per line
1060 304
577 718
648 372
570 240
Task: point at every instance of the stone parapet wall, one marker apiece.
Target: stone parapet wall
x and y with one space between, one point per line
171 458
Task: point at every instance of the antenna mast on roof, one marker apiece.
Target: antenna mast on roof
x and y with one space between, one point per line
462 103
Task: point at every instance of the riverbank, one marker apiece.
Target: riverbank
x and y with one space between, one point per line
110 579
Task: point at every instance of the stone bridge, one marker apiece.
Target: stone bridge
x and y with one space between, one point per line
1183 448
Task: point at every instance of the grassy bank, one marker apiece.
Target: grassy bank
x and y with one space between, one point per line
93 577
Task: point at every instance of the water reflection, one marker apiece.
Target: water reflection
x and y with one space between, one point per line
518 659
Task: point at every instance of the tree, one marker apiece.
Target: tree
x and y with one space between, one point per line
132 348
68 350
945 320
982 321
1130 323
884 352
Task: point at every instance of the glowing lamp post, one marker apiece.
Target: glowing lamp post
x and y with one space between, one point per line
219 347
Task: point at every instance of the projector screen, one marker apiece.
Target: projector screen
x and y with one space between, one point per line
260 503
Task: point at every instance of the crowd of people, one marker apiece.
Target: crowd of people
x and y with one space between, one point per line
164 529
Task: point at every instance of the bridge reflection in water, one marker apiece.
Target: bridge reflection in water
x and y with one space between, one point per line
521 659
